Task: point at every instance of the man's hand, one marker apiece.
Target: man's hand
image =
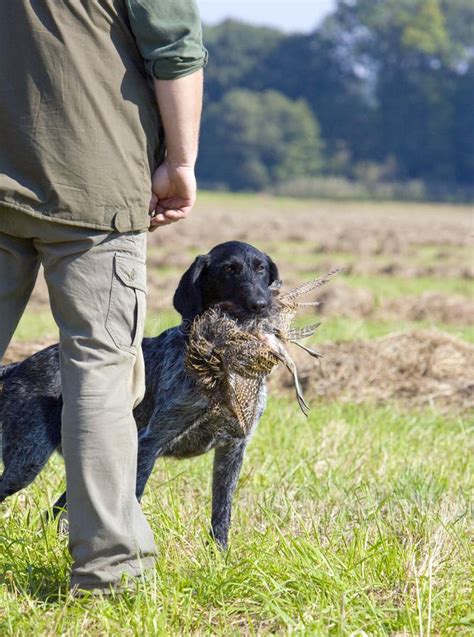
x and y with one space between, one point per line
173 194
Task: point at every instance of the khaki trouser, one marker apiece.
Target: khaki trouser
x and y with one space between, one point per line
97 287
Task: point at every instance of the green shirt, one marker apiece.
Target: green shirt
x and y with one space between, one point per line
79 126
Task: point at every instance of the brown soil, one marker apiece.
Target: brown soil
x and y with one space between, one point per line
432 306
39 299
406 270
338 299
392 229
416 369
160 293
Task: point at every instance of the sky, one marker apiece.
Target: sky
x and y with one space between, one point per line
295 15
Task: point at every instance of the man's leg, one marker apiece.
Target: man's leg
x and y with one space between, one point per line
96 283
19 263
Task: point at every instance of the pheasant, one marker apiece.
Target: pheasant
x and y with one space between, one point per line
230 360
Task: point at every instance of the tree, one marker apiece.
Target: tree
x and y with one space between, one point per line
390 82
234 47
408 47
463 129
253 140
314 68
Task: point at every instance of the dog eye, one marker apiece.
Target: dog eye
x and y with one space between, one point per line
260 267
228 269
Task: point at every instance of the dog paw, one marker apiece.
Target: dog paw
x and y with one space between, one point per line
218 541
63 524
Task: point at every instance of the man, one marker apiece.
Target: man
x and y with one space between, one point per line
80 136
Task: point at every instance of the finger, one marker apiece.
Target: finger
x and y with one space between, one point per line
153 226
160 220
175 203
173 213
153 203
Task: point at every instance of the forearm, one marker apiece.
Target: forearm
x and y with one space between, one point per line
180 105
169 36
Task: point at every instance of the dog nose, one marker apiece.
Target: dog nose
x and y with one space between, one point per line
258 305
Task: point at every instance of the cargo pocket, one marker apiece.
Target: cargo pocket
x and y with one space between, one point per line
127 306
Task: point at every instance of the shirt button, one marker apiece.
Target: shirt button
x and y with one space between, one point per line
121 221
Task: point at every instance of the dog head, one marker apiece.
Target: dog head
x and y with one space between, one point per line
233 275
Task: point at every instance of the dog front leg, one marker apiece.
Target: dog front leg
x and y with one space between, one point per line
228 459
152 443
148 452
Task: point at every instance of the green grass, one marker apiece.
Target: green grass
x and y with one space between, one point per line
36 325
432 255
157 322
393 286
353 329
245 200
355 519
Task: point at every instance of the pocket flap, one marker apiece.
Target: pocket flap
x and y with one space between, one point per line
131 272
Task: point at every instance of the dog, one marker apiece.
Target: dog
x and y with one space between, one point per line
173 418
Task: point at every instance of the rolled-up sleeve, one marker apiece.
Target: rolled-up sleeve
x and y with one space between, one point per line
169 36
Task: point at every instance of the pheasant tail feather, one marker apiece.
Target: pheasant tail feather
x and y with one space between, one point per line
307 287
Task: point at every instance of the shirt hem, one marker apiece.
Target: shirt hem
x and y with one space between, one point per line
56 218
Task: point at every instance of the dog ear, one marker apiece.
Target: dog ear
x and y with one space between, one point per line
274 277
187 299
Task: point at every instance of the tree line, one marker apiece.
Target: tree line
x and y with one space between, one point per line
382 90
